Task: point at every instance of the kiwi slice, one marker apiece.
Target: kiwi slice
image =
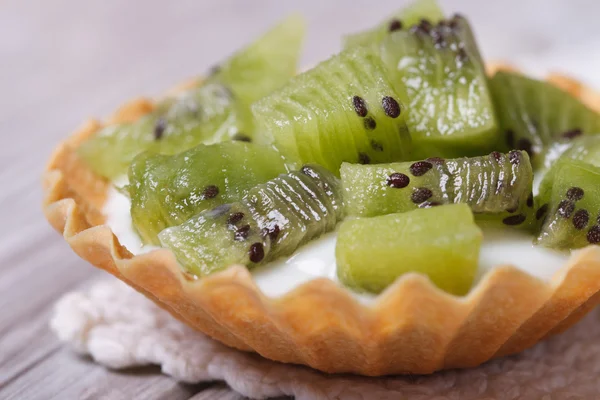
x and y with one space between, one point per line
497 187
202 114
272 220
217 109
167 190
345 109
403 19
450 109
266 64
570 215
584 148
442 243
538 117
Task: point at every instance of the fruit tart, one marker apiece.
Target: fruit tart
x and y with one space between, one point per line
394 209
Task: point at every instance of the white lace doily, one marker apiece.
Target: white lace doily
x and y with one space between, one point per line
120 328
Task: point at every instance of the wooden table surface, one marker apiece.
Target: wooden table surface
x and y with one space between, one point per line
62 61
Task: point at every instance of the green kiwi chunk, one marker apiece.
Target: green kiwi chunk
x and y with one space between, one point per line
168 190
214 110
442 243
583 148
271 221
203 114
538 117
345 109
567 208
497 187
403 19
450 109
266 64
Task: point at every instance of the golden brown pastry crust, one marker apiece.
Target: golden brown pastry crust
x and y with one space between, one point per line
412 328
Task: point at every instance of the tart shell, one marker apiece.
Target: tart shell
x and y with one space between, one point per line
413 327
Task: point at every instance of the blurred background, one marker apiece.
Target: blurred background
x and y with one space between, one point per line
63 61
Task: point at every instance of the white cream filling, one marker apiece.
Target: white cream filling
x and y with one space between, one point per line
317 259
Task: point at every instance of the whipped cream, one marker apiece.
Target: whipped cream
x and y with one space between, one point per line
317 258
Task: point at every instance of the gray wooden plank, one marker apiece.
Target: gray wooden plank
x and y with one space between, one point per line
220 391
217 392
64 375
36 281
25 346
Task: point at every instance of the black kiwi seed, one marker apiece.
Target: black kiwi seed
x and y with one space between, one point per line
210 192
363 158
215 69
420 168
159 128
510 138
438 39
360 106
539 214
575 193
593 235
235 218
514 220
436 160
422 28
395 25
497 155
256 252
398 180
369 123
420 195
390 107
525 145
241 137
461 55
565 208
242 233
454 21
512 209
581 219
375 145
425 25
514 157
572 134
429 204
530 200
272 232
